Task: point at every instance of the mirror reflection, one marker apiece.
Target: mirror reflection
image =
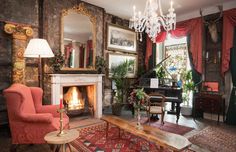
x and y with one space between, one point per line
78 41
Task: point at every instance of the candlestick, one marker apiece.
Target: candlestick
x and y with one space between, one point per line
61 131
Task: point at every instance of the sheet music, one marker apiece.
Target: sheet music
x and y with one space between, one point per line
154 83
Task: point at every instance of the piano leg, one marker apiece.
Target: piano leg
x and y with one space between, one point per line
172 110
177 111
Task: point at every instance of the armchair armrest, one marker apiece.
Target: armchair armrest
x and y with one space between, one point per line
41 118
52 109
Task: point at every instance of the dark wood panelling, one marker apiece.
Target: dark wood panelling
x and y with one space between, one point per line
213 63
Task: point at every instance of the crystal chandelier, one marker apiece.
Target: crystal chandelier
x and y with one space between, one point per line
152 19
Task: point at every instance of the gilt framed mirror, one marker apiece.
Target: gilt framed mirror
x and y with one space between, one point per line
78 38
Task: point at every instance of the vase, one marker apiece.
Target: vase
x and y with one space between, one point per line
138 125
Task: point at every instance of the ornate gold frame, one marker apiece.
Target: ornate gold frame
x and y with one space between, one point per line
80 9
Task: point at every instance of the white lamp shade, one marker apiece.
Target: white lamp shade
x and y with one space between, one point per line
38 48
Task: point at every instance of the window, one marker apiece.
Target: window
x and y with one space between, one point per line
177 65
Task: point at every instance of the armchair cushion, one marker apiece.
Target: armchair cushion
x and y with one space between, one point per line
156 109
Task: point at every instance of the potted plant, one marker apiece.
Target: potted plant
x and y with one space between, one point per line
57 61
100 65
161 74
119 75
188 88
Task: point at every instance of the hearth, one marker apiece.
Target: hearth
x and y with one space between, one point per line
78 100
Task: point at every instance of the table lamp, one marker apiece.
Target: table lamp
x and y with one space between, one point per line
38 48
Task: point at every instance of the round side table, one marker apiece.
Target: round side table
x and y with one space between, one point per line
61 141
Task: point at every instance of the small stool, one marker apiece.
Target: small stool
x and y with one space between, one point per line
61 141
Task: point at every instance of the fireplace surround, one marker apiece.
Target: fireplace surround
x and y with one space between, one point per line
58 81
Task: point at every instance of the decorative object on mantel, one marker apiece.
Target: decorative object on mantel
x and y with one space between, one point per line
38 48
137 99
58 61
100 65
153 19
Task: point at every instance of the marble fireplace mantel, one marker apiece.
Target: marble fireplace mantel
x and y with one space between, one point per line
58 81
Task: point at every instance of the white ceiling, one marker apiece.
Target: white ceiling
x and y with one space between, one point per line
124 8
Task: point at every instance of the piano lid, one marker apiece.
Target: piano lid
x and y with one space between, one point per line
144 79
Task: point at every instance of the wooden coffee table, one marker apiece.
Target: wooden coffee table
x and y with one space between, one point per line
61 141
171 141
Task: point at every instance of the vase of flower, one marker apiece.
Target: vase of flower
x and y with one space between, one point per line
138 125
138 99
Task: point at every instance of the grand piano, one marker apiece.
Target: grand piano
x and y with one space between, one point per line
172 92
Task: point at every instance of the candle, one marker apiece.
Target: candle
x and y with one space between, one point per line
171 4
61 102
207 55
139 14
134 9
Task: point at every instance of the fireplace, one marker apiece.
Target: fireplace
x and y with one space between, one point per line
74 98
78 100
82 93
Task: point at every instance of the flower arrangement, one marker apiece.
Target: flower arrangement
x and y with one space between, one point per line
57 61
100 64
137 98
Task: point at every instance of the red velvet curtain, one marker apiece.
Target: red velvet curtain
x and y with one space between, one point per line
192 27
68 50
160 38
229 21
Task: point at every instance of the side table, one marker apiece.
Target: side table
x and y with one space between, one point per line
61 141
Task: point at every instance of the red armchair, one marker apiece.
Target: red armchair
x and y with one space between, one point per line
29 120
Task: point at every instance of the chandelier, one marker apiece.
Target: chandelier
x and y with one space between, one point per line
152 19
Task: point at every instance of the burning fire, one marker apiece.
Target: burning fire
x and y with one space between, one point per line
74 99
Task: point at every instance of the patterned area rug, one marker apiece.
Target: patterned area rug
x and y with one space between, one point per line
93 139
215 139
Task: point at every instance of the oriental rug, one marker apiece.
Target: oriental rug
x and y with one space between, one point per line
215 139
93 139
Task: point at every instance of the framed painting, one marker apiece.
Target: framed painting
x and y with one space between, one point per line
116 59
122 39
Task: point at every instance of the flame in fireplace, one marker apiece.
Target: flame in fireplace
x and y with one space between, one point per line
74 99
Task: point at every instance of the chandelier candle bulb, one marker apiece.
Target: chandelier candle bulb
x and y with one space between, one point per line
152 19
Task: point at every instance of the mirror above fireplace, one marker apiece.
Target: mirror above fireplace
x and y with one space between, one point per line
78 38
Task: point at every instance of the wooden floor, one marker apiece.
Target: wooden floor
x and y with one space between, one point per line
79 122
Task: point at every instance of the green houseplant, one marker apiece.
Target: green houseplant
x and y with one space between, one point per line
161 74
57 61
100 65
119 77
188 88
